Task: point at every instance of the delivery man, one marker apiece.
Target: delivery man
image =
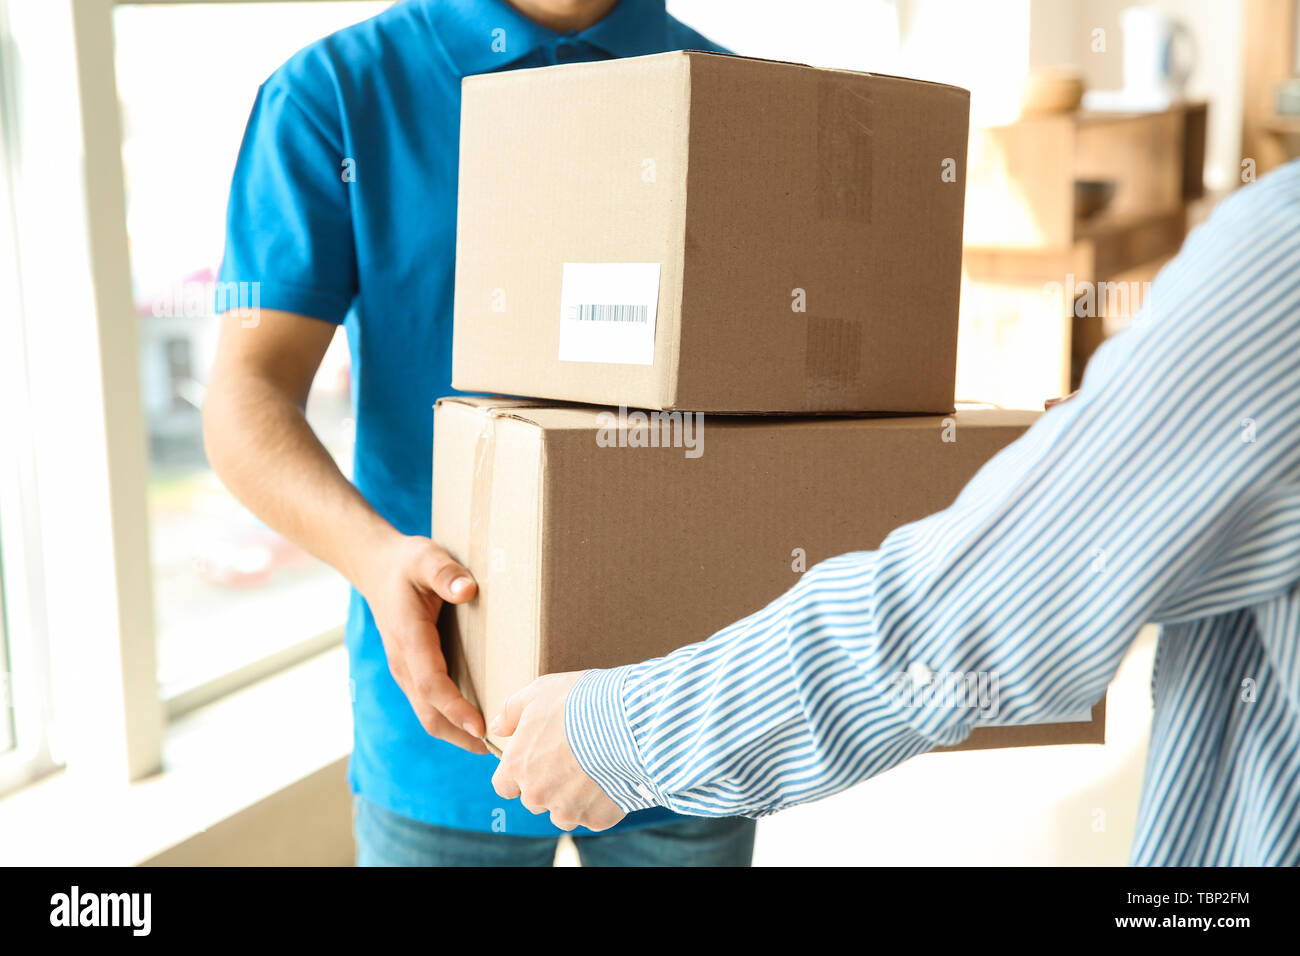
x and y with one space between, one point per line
1166 490
343 210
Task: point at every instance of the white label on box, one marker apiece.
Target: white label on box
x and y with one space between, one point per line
607 312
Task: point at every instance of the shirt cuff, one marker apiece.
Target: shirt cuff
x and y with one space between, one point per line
599 736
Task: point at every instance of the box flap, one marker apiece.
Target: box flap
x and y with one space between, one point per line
822 69
552 416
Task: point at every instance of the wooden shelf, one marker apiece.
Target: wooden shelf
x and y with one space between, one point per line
1283 126
1027 255
1022 176
1268 59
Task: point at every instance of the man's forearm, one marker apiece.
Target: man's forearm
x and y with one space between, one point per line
788 705
263 449
260 444
1146 498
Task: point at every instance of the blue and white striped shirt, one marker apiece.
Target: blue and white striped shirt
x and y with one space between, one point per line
1166 491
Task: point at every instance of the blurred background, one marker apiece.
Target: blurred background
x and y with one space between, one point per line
207 722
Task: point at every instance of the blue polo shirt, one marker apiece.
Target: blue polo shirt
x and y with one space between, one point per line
343 208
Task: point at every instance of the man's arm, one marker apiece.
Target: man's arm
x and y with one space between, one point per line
1165 490
261 446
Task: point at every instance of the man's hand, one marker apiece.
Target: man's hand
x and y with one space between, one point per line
409 580
261 445
537 765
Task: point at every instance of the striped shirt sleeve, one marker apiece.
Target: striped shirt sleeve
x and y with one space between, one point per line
1166 490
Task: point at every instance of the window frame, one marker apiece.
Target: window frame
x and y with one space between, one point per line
7 739
82 645
188 697
25 700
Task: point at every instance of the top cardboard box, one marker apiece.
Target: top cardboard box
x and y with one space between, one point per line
710 233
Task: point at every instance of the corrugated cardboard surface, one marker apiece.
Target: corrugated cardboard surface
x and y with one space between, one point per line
768 178
551 172
591 556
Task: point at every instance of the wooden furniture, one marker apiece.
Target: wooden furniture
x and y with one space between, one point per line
1269 58
1043 282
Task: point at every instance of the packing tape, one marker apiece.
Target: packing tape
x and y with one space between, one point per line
845 180
832 357
473 616
845 134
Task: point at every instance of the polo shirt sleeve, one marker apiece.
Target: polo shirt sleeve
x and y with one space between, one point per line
288 222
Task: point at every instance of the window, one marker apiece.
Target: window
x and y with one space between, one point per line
24 701
7 301
6 680
134 588
232 597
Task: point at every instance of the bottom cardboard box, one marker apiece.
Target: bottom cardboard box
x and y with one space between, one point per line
603 537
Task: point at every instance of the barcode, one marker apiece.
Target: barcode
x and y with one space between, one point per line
610 313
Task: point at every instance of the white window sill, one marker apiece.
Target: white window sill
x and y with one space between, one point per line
267 760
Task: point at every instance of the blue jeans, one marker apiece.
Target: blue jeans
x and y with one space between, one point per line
385 838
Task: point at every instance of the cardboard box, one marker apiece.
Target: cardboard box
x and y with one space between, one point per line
594 548
713 233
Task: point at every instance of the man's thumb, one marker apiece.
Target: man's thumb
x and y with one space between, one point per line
449 580
504 723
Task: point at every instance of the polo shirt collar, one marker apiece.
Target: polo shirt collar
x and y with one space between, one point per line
632 28
468 30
